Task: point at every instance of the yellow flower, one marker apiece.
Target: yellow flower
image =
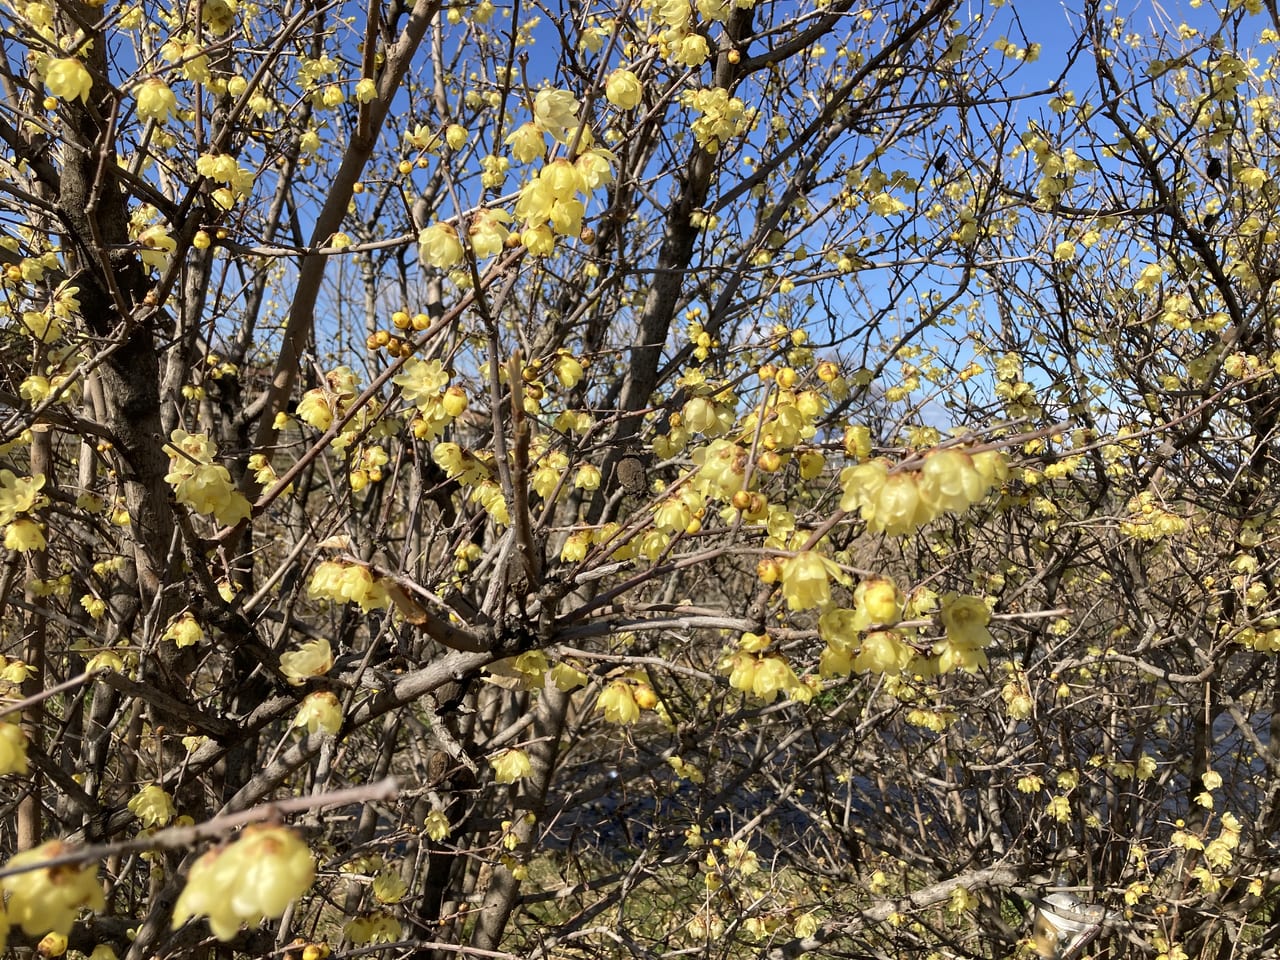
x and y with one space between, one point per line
455 135
556 113
314 409
376 928
421 381
861 485
965 619
883 652
587 477
804 580
152 806
348 583
773 675
68 79
19 495
568 370
42 326
622 88
950 481
320 712
595 168
312 659
527 143
48 898
155 100
24 535
618 703
576 546
510 766
439 246
897 508
13 749
254 878
877 601
436 825
184 630
566 677
488 233
389 886
538 240
208 489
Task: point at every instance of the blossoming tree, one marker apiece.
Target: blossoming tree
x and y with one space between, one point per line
709 478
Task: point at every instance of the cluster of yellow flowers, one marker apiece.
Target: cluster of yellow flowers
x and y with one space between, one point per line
676 33
319 406
949 481
858 638
224 168
59 374
622 700
866 638
550 204
19 497
200 483
1149 519
425 384
347 583
473 470
754 669
252 879
722 117
440 246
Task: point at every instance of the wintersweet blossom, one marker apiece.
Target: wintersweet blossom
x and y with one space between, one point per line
312 659
24 535
13 748
965 620
622 88
421 381
877 600
617 703
320 711
439 245
68 79
343 582
252 879
184 630
488 232
152 805
204 486
556 113
19 495
527 143
805 583
49 898
510 766
155 99
883 652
